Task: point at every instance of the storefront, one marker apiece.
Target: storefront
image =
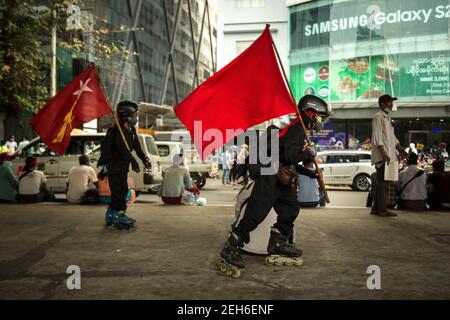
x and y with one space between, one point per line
350 52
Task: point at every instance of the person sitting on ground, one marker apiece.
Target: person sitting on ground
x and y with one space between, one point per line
176 180
438 187
8 184
104 192
309 195
411 186
82 182
33 184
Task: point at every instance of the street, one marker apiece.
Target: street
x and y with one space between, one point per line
173 253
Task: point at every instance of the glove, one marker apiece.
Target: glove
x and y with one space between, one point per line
310 152
135 165
147 162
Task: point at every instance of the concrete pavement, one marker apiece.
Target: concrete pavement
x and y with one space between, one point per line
172 254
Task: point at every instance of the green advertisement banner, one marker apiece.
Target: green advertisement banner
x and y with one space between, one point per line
410 76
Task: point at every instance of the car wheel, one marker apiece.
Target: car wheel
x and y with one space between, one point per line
196 179
202 182
361 183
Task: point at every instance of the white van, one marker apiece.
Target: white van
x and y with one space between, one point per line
167 150
56 167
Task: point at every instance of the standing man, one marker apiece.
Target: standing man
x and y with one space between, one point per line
115 162
384 144
12 145
225 160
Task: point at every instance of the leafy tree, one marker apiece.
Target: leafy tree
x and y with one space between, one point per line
25 53
22 59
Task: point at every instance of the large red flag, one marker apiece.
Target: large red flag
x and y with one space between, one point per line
246 92
81 101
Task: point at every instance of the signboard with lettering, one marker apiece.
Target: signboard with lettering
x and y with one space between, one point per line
366 20
409 76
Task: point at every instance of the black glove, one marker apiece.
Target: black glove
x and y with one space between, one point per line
147 162
135 165
310 152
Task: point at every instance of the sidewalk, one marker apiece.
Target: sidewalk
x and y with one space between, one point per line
172 255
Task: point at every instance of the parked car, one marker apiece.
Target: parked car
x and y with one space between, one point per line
56 167
347 167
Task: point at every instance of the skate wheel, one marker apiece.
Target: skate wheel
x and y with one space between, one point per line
289 263
298 262
222 268
278 263
229 273
236 274
269 261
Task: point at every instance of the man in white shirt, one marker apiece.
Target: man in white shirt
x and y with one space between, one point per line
12 145
24 142
384 144
80 180
176 180
32 183
412 183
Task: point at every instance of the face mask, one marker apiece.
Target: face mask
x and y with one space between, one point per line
387 110
132 120
318 125
7 164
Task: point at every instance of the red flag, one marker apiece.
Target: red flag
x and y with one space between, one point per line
81 101
246 92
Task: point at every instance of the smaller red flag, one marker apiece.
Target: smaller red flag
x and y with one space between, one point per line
81 101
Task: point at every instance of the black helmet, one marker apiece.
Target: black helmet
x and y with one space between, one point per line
310 102
125 108
310 107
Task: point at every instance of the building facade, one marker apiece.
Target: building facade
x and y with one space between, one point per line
350 52
242 21
173 46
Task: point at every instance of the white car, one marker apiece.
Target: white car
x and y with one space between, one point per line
346 167
56 167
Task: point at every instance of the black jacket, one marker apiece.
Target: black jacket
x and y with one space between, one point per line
114 152
291 147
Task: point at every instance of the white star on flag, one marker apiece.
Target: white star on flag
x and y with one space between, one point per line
83 87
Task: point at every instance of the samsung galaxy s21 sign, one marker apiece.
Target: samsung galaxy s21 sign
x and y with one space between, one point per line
376 18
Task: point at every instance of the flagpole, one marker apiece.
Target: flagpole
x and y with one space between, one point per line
319 173
113 112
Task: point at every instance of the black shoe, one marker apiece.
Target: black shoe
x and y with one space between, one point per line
279 245
231 252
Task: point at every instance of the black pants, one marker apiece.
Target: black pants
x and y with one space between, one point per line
118 184
268 193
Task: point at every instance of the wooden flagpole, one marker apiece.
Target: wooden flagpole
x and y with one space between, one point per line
318 172
113 112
